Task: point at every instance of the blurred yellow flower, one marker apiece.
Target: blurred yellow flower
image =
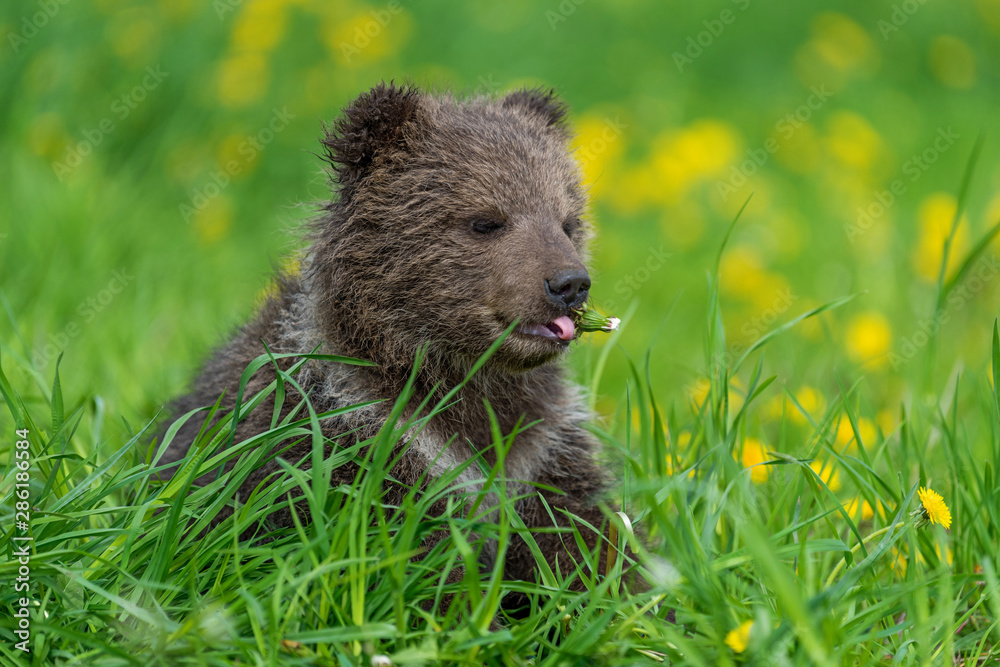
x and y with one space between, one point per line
845 434
213 221
47 135
886 421
811 401
933 508
868 337
290 266
952 62
799 151
259 26
853 141
841 42
935 216
742 274
839 48
990 11
242 79
708 146
808 397
367 36
680 159
739 638
698 390
637 187
134 34
899 562
856 505
683 440
599 142
828 474
754 454
234 148
177 11
992 216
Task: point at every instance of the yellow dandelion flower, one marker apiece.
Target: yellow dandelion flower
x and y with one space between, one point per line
932 508
599 144
853 141
742 274
754 454
841 42
739 638
858 506
845 434
811 401
828 474
242 79
935 215
259 27
869 337
698 391
886 420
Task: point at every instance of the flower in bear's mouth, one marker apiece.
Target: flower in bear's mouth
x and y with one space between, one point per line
564 328
588 319
560 329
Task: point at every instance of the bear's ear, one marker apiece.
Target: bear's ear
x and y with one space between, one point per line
371 125
540 102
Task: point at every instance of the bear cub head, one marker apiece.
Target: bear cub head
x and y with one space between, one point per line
454 219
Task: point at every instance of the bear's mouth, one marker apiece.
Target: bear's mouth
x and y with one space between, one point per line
560 329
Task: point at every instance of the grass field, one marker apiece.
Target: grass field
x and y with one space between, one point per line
158 157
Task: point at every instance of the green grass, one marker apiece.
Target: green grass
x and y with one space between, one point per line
123 576
736 460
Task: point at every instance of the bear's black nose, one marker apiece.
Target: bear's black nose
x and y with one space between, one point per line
568 287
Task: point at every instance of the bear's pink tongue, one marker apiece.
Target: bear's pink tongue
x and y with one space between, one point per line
565 326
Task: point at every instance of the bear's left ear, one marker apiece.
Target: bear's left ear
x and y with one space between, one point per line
539 102
372 126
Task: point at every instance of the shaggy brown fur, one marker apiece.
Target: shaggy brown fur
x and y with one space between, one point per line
454 218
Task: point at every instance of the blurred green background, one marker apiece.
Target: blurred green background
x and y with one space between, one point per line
158 156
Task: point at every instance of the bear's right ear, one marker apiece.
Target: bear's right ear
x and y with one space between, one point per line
372 125
540 102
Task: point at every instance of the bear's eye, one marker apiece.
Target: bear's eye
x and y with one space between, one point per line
570 226
486 226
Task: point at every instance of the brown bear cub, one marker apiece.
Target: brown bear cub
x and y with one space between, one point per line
454 219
